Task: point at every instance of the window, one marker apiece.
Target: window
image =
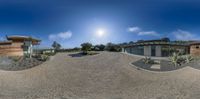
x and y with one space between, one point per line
197 47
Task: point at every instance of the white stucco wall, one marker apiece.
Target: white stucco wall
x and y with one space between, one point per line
158 51
123 50
147 50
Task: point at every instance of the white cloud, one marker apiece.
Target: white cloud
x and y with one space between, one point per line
152 33
134 29
184 35
140 32
61 36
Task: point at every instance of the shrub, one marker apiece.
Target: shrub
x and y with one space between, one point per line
16 58
49 53
148 60
42 57
188 58
176 59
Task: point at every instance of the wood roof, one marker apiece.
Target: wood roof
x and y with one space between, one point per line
17 37
195 43
5 42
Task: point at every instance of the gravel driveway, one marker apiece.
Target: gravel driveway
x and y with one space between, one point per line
103 76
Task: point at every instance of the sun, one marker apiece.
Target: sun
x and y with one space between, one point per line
100 32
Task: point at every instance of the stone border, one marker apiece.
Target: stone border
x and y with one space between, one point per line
141 56
154 71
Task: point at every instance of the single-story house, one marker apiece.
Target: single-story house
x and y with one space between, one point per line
162 47
18 45
195 48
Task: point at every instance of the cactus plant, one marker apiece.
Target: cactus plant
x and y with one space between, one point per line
148 60
188 58
175 59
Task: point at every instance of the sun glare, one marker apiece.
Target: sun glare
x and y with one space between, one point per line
100 32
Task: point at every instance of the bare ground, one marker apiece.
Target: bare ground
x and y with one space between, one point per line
103 76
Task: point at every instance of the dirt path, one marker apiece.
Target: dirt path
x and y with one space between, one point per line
104 76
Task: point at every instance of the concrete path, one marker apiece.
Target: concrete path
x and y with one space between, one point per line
103 76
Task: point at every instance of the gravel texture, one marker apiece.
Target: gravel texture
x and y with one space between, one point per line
103 76
7 63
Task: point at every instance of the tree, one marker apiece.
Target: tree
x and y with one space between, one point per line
113 47
100 47
56 45
166 39
86 47
131 42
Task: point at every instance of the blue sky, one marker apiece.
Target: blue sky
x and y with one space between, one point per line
72 22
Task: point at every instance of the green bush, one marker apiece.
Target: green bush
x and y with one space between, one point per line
188 58
148 60
16 58
42 57
176 59
49 53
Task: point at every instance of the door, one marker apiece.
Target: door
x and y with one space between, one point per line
153 50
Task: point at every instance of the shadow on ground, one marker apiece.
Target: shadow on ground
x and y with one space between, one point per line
76 55
195 64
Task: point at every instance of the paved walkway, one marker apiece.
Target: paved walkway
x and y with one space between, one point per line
103 76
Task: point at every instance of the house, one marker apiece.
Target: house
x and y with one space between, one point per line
161 47
195 49
18 45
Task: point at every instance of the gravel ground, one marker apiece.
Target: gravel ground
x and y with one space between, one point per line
103 76
6 63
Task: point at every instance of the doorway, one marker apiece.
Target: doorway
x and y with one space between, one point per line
153 50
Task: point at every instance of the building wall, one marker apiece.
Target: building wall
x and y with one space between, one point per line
195 50
158 51
147 50
137 50
14 49
128 50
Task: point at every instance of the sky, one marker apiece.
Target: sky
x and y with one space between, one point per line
72 22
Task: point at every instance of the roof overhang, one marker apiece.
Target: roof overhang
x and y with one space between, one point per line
195 43
23 38
5 42
155 43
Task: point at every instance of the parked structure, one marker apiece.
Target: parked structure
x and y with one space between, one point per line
161 47
18 45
